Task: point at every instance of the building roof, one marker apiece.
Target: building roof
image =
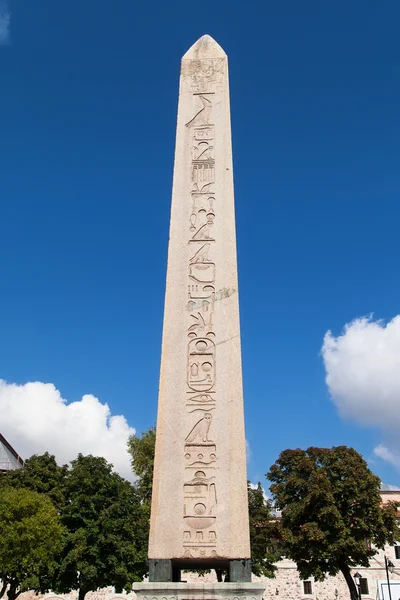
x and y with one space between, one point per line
9 459
385 487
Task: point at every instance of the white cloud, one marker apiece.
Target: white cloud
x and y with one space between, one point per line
254 486
35 419
382 452
4 23
363 376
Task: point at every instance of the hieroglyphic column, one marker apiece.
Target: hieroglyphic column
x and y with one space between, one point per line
199 505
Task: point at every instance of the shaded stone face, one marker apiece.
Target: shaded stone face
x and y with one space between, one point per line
199 506
199 591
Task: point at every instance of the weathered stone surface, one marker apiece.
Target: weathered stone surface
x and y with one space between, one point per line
199 506
199 591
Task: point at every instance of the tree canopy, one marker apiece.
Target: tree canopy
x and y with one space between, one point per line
31 536
102 515
40 473
105 535
332 513
261 532
142 451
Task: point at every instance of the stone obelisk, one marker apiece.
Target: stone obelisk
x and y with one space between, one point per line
199 514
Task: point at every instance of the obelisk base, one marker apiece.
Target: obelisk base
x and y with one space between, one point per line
167 570
198 591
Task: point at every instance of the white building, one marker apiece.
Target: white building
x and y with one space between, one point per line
9 459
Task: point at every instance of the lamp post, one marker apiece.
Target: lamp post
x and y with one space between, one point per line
357 579
389 566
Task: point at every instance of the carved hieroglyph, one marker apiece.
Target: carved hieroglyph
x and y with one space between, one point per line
199 506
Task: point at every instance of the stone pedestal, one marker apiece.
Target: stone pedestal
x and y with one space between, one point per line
199 591
170 571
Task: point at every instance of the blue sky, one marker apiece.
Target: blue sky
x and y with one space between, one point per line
88 105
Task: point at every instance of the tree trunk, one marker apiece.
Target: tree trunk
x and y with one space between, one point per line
354 595
82 593
12 593
219 573
4 582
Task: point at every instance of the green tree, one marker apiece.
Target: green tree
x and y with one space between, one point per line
102 514
142 450
264 551
31 536
332 517
40 473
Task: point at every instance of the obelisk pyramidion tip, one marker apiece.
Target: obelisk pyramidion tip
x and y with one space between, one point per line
205 47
